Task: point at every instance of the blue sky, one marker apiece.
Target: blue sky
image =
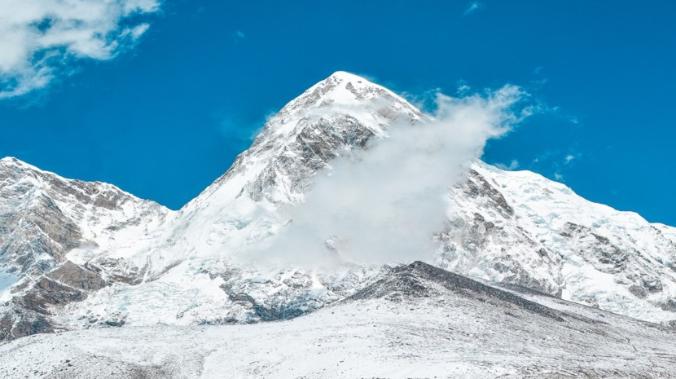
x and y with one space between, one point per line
167 111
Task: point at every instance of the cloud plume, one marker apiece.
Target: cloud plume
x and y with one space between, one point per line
383 204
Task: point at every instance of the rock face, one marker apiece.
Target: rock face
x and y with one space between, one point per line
420 279
526 230
43 217
88 254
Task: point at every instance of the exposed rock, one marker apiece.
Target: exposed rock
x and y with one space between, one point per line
477 186
420 279
17 323
76 276
669 305
638 291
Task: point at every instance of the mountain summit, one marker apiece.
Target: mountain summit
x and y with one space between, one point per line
79 255
342 90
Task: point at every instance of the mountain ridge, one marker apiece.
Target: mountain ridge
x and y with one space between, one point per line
145 264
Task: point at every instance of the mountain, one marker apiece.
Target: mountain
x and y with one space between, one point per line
78 255
43 218
520 228
46 216
415 320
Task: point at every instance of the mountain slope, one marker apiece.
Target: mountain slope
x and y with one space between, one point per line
416 320
134 263
521 228
43 217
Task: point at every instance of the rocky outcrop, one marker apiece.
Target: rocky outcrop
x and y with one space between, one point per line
29 311
44 217
318 142
420 279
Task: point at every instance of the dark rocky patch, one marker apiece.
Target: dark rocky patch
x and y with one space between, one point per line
669 305
78 277
597 249
638 291
30 313
318 143
417 280
477 186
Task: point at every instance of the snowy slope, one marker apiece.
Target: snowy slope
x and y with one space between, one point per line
338 114
521 228
186 268
43 217
193 265
417 321
516 227
41 210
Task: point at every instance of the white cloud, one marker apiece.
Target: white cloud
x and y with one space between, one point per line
38 38
513 165
472 8
238 36
557 162
383 204
463 88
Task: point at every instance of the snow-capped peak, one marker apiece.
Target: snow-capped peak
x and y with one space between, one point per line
510 227
336 113
343 93
7 162
499 231
344 75
341 87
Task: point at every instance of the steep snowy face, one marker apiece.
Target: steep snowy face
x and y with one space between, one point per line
509 227
520 228
44 217
188 274
340 113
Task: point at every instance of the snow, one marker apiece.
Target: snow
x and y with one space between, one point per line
441 336
6 281
543 207
127 225
209 232
183 268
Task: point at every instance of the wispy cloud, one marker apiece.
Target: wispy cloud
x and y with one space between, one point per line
238 35
472 8
39 38
513 165
556 162
463 88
